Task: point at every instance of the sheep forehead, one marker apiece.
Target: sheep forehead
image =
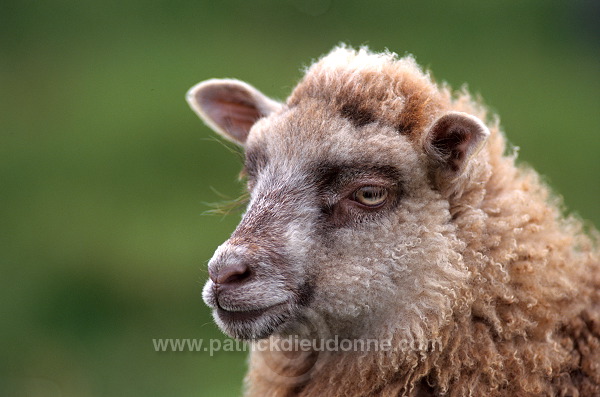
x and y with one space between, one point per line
305 136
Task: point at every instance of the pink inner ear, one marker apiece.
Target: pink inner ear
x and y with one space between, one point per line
230 108
236 118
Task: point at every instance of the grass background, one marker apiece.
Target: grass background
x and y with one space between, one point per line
104 170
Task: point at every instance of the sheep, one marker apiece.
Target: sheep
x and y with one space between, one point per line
384 206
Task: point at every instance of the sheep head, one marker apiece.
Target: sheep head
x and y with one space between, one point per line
349 216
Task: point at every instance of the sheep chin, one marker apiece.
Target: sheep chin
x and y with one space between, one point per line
254 324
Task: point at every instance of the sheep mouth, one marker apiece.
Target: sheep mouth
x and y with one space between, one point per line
240 319
253 324
243 315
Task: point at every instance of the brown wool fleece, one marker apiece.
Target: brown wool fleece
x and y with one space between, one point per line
478 257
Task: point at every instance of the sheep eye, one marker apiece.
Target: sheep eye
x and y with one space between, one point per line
370 196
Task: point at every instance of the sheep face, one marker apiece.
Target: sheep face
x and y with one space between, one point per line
345 221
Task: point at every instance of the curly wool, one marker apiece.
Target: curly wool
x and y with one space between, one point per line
529 322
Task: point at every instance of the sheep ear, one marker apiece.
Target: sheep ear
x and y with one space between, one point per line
453 140
230 107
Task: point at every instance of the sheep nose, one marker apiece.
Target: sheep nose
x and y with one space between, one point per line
229 274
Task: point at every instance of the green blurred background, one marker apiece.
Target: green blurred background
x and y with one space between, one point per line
105 171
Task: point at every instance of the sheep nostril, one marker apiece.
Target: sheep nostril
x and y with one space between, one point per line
231 274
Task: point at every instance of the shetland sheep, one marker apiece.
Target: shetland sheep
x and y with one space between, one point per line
383 206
